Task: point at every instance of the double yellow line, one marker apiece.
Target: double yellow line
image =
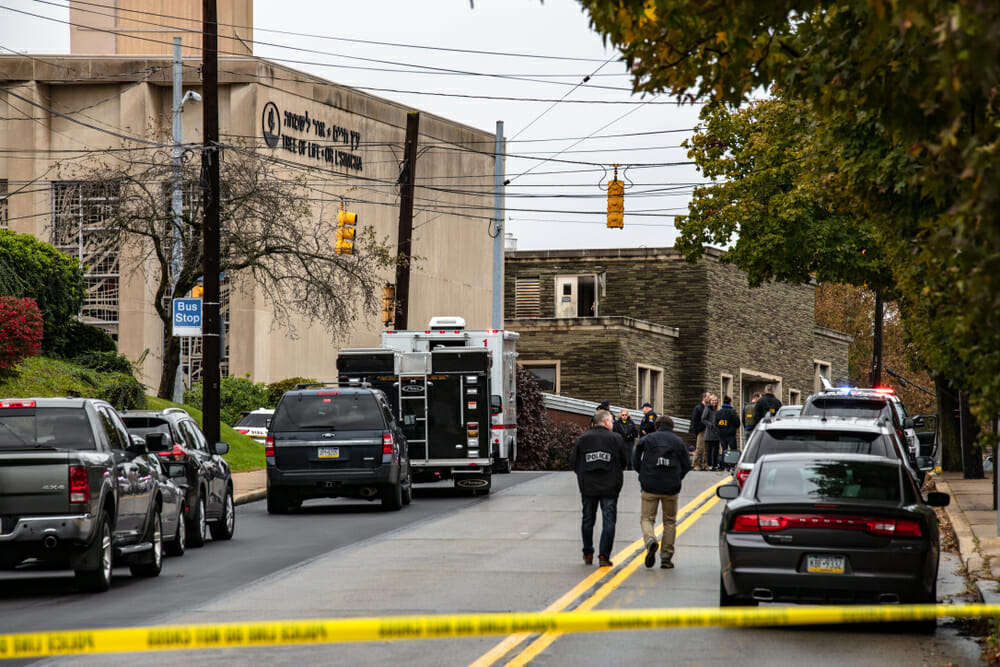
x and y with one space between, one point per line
634 553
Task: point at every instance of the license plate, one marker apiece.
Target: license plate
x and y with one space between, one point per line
825 564
329 452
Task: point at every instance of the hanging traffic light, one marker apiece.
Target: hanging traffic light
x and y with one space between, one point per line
616 202
388 304
345 231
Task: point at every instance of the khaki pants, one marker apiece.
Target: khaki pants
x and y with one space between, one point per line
699 452
650 503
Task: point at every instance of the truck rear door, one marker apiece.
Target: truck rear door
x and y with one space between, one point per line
459 424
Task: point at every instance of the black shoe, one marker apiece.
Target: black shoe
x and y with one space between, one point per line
604 561
666 563
651 553
588 559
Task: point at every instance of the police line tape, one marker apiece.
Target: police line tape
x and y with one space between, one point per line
324 631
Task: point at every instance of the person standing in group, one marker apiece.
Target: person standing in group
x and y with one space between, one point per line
626 428
711 432
698 428
766 405
603 405
648 423
662 461
727 422
598 457
748 420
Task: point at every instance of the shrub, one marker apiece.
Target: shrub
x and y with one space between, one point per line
107 362
534 428
20 331
236 396
564 436
84 338
275 390
124 392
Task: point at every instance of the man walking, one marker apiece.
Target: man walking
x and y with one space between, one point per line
698 428
766 405
727 422
599 457
662 461
648 423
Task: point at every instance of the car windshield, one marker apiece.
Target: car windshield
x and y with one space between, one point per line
331 410
781 441
840 406
861 480
143 426
254 420
58 428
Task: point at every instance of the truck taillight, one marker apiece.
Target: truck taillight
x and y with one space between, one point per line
741 476
269 446
388 445
79 489
17 404
472 429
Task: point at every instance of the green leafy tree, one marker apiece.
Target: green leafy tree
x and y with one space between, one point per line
236 396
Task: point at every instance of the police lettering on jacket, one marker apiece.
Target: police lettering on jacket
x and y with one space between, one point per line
592 457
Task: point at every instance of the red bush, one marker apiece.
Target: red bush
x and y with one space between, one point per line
20 330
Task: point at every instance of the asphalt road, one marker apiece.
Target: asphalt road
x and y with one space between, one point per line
263 545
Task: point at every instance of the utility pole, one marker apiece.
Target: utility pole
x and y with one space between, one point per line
177 202
498 227
876 374
210 230
407 176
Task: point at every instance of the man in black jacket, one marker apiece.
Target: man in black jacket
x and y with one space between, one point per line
766 405
662 461
727 423
599 457
698 429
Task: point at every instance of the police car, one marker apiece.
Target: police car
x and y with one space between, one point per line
254 424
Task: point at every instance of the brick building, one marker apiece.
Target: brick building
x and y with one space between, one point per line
641 324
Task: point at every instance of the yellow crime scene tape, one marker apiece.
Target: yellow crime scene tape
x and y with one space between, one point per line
339 630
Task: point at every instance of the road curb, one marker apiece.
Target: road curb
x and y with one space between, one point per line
250 496
968 549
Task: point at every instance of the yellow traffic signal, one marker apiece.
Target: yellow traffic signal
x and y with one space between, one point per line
388 304
345 231
197 291
616 204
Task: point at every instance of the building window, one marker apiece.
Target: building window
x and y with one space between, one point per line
821 369
649 386
794 397
577 296
4 212
726 385
81 212
527 293
546 374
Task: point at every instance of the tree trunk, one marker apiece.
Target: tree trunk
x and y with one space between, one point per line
171 358
970 440
947 405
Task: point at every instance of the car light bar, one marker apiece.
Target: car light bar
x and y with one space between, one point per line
17 404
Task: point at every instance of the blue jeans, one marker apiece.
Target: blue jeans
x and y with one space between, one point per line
609 516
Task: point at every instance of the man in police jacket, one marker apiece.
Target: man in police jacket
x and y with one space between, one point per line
599 457
662 461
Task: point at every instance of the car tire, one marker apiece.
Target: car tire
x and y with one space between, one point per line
176 546
198 526
155 535
504 466
98 580
725 599
277 501
224 528
392 497
408 489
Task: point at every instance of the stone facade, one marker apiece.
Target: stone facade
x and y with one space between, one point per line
701 323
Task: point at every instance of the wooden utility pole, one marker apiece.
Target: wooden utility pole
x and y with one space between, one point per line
407 176
876 374
210 229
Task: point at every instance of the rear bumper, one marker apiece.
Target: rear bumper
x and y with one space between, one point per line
69 528
321 481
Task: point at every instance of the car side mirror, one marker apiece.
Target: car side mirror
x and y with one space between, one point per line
496 404
156 442
938 499
728 491
137 447
909 423
221 448
918 421
925 462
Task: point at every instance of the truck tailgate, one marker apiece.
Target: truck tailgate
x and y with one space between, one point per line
35 483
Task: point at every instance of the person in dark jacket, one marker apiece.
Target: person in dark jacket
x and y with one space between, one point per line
727 423
766 405
603 405
648 423
626 428
598 457
748 412
711 432
662 461
698 429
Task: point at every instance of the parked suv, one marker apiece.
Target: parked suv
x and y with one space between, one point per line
825 435
331 440
195 464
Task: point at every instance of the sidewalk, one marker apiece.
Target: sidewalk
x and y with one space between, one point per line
249 486
975 523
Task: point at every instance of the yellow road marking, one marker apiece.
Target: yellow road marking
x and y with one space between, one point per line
511 642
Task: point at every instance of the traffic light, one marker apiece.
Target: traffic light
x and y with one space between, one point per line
197 291
616 202
388 304
345 231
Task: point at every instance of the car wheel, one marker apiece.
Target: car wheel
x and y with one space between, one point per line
504 466
392 497
176 546
155 564
98 580
277 501
725 599
224 528
198 526
408 490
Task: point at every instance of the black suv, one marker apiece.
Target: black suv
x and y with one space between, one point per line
329 440
193 463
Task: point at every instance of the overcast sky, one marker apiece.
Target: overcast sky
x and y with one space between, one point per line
557 204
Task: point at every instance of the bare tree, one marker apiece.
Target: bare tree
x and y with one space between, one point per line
270 237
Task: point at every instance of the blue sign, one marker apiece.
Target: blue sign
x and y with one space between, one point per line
187 317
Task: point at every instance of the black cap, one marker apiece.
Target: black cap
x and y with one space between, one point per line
605 405
647 405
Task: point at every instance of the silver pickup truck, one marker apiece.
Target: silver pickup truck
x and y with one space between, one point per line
75 490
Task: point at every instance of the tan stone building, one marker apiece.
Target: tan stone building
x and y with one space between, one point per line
55 109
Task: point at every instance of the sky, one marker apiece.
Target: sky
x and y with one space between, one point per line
563 134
